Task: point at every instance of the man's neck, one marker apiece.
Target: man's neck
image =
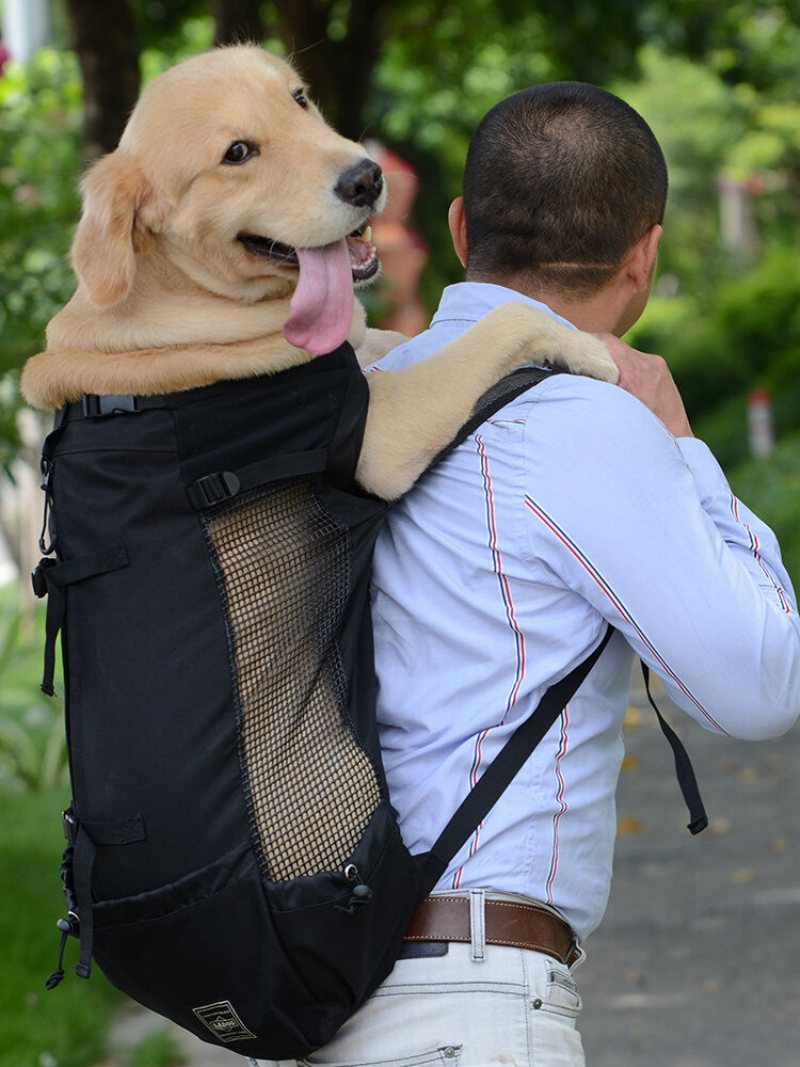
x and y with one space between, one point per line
600 312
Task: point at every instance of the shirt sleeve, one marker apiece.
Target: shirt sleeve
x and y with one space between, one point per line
646 529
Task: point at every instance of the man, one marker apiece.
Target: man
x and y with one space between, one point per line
579 504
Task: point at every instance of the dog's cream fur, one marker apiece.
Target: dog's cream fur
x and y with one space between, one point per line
169 298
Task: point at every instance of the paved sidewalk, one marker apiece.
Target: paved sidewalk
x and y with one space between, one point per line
135 1024
697 963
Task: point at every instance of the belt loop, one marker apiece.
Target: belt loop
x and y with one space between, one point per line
477 924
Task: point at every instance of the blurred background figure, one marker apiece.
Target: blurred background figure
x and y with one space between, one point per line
402 249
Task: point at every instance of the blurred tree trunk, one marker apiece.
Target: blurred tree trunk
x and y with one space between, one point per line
237 21
103 34
338 66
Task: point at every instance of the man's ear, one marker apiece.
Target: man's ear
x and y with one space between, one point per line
642 261
456 220
104 251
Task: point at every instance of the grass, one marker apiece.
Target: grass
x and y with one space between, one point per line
65 1027
32 751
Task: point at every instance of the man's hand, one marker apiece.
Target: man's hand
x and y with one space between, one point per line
648 378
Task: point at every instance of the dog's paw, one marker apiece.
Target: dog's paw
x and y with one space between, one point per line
534 336
582 353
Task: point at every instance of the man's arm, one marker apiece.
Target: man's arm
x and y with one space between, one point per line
648 532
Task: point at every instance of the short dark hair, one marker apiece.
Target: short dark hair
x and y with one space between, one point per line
561 180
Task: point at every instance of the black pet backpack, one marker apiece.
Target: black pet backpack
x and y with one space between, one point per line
233 861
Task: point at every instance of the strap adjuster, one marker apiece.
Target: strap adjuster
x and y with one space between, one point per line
96 406
69 824
214 489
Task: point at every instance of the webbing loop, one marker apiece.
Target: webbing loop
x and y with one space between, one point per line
50 579
698 820
76 875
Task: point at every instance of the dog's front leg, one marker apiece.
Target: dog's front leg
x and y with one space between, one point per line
414 413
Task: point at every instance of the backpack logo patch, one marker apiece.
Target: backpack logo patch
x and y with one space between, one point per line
223 1022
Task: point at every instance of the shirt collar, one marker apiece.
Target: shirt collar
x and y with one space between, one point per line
470 301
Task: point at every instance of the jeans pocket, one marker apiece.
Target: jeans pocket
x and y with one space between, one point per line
561 996
447 1056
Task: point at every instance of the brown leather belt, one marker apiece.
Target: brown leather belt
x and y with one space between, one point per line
506 922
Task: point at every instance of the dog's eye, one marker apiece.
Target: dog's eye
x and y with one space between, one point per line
301 98
240 152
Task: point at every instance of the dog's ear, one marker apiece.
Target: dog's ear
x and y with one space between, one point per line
104 249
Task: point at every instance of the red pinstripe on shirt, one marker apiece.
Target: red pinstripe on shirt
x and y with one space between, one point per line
757 556
519 637
617 604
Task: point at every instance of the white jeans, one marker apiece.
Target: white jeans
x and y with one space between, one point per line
513 1007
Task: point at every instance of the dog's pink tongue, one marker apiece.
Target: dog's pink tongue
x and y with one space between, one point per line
321 310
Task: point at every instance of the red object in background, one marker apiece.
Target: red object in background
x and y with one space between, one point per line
5 56
759 422
402 250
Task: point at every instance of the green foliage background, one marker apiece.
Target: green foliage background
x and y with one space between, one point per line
40 118
774 484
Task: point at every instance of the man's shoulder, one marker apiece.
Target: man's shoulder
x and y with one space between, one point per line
412 350
578 394
585 417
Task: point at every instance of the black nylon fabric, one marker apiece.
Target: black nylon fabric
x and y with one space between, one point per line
185 921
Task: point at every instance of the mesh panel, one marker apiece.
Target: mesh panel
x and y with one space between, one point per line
283 563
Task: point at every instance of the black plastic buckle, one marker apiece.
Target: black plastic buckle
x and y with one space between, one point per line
96 406
38 578
213 489
70 825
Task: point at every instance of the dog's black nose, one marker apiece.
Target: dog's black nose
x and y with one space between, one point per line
361 185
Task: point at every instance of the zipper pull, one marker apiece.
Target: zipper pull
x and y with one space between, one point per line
66 926
359 895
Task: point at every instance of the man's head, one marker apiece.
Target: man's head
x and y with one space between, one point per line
562 181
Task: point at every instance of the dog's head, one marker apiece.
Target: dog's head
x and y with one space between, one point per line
228 169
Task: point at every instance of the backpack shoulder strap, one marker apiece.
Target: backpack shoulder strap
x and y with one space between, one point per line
496 397
503 768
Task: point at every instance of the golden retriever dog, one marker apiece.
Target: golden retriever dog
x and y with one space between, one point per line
222 240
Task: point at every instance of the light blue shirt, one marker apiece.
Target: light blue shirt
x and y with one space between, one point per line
496 575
